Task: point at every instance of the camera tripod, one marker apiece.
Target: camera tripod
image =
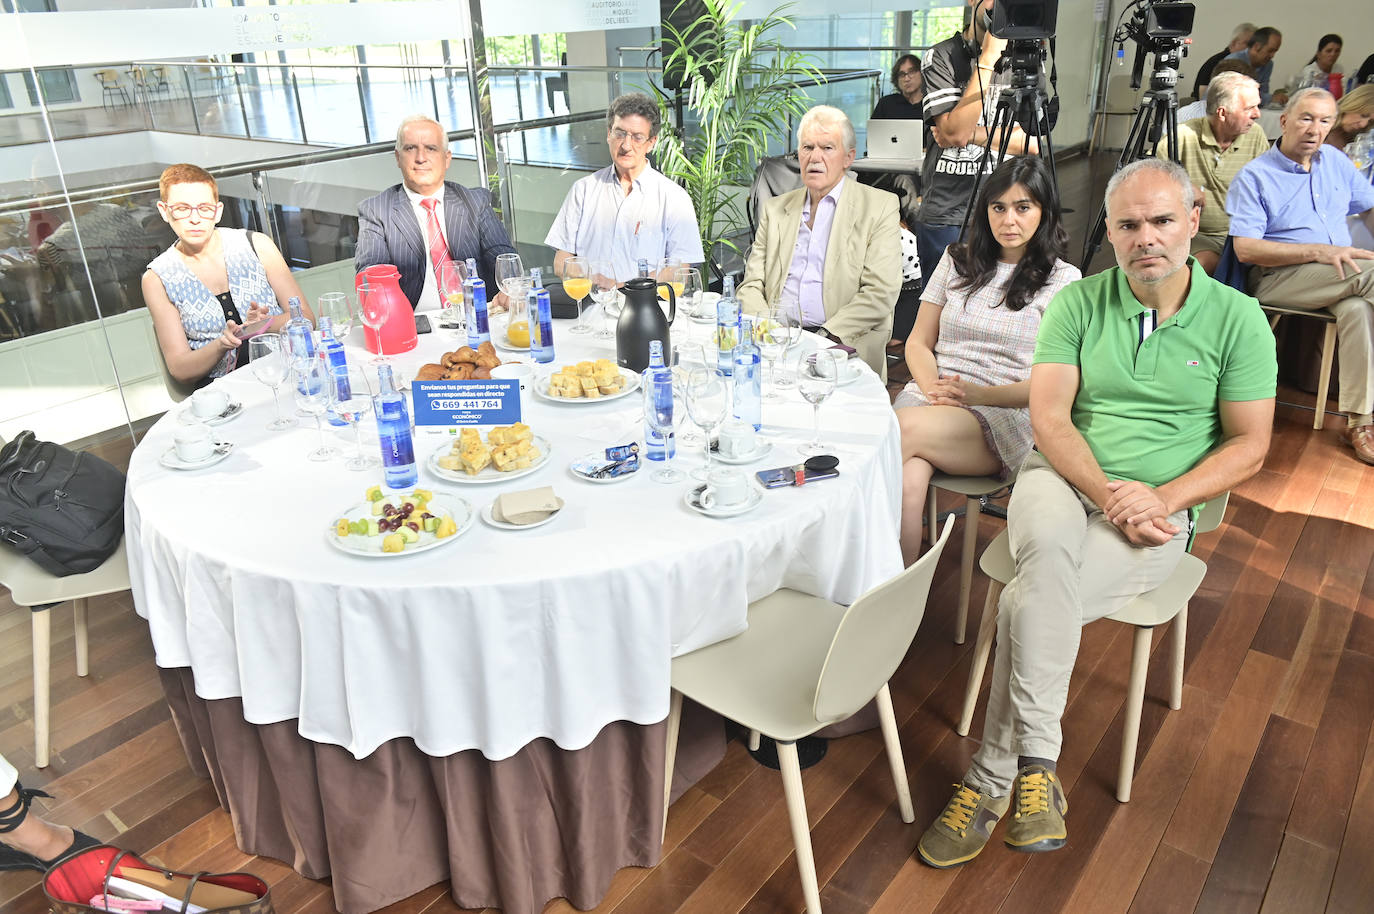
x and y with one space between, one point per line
1157 116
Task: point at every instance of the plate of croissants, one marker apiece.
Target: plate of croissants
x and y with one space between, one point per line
462 364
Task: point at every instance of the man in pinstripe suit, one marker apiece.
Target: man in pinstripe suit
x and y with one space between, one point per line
425 217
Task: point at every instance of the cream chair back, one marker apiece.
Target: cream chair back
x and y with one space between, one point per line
873 637
1210 517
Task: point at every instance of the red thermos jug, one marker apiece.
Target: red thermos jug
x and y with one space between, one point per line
398 326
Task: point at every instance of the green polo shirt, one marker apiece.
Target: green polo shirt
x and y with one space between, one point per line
1149 409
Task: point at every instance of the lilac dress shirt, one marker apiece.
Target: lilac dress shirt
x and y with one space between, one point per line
802 290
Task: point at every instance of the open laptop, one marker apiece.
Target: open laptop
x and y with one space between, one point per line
894 142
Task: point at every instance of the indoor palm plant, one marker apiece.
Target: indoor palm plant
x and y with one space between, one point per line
738 89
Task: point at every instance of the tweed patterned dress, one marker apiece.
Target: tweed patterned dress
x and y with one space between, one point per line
202 317
988 344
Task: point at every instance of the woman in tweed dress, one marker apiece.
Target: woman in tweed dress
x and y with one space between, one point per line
965 410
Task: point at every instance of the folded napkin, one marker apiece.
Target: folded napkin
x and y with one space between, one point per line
527 507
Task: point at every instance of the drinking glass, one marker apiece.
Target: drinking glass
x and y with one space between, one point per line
817 374
604 292
687 285
312 398
661 421
336 307
771 335
577 282
708 401
352 401
508 267
518 312
270 366
372 310
793 325
685 357
450 276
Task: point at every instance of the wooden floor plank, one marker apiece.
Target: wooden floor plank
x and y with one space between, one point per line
1353 885
1172 883
1302 878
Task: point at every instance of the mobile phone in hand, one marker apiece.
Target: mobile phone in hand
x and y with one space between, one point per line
253 328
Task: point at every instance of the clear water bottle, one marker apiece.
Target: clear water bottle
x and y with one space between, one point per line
748 376
541 318
300 336
336 363
475 308
658 378
393 429
644 269
727 326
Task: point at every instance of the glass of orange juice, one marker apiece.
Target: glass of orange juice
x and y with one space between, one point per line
518 312
577 282
451 275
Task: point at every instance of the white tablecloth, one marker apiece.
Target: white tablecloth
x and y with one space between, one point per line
501 637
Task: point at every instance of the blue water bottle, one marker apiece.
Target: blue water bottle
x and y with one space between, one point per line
643 269
332 352
748 376
475 307
393 429
658 378
727 327
541 318
300 336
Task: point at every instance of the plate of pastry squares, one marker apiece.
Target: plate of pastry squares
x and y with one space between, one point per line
505 452
586 382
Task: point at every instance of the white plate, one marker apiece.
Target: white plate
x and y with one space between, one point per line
171 461
596 457
370 547
488 473
503 525
186 416
763 449
501 344
541 389
753 501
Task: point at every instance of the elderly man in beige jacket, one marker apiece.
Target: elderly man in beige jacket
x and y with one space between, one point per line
830 250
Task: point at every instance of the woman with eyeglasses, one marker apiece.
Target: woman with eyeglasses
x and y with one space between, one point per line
202 289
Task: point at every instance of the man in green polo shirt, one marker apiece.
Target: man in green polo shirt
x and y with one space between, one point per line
1152 391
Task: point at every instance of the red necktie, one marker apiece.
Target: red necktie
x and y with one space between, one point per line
438 247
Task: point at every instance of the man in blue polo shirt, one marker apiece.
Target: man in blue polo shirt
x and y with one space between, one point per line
1151 391
1288 213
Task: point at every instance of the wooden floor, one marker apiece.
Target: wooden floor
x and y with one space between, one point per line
1257 796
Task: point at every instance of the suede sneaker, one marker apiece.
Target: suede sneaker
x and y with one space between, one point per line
963 829
1038 824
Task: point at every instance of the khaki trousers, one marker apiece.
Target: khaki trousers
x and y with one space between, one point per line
1072 566
1310 286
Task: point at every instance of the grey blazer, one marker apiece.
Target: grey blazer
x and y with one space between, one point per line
388 233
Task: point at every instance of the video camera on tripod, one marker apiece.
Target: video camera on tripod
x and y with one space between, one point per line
1161 28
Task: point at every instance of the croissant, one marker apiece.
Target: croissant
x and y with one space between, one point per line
486 349
488 361
465 354
459 372
481 373
430 372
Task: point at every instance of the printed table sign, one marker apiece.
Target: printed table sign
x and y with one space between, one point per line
460 403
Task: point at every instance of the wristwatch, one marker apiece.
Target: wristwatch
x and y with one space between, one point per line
821 331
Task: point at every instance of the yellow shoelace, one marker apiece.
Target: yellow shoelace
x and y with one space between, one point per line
1033 794
959 813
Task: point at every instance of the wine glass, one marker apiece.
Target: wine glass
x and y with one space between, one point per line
577 282
771 335
793 326
508 267
373 307
660 418
708 400
270 366
336 307
685 357
351 396
687 285
817 374
312 398
450 276
603 293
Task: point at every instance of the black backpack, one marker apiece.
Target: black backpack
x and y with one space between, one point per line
62 508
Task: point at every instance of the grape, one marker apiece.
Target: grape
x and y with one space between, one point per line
414 526
388 509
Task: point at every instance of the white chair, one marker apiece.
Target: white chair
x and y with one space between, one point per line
1275 312
1167 601
802 664
973 488
32 587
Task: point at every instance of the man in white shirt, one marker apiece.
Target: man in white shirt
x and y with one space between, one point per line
627 211
425 219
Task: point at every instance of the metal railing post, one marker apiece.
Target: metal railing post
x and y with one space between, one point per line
362 106
191 99
243 106
434 96
300 112
264 208
479 94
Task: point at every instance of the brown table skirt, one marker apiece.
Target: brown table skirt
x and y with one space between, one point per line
542 824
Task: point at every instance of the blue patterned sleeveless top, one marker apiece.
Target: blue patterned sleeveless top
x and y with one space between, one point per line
202 317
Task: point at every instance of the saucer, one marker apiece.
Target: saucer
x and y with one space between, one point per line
691 496
763 449
504 525
171 461
187 415
850 373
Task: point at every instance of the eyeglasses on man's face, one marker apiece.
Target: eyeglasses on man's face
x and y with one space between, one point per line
639 139
901 73
184 210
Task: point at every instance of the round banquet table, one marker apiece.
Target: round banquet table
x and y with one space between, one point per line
300 675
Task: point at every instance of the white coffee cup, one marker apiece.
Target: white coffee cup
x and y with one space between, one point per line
725 489
209 402
737 439
517 371
193 442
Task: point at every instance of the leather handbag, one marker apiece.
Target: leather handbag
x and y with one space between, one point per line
83 882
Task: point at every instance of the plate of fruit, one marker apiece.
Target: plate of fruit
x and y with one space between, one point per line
509 452
384 525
